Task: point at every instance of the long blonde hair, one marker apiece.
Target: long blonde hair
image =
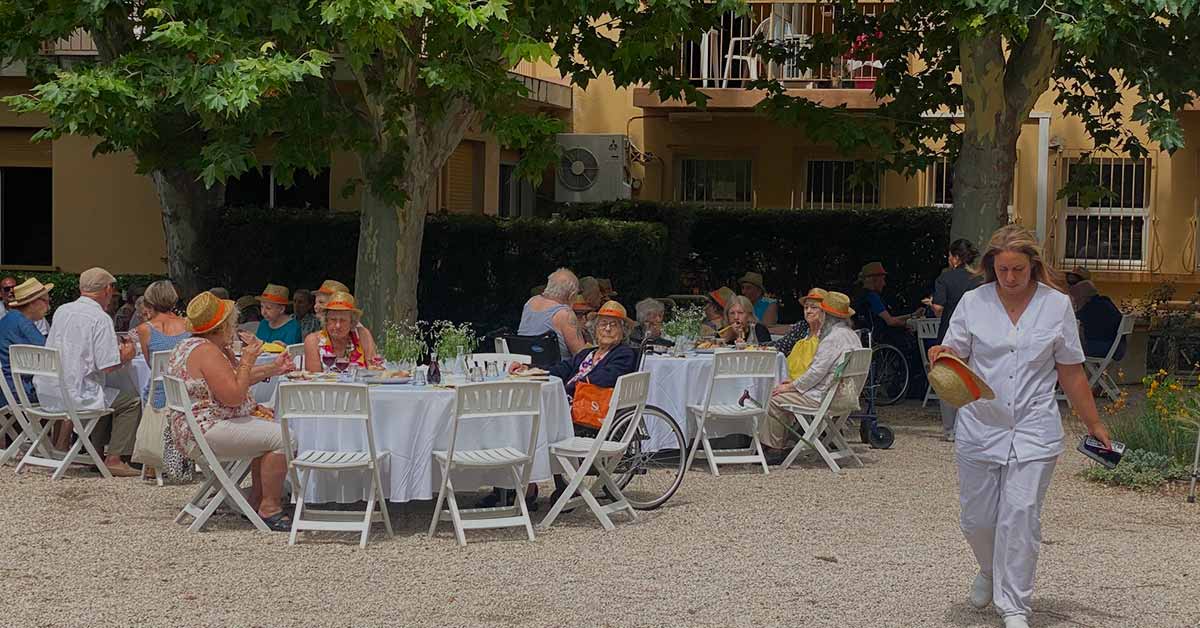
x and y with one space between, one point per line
1018 239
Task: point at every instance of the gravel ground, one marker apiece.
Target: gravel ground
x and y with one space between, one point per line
878 546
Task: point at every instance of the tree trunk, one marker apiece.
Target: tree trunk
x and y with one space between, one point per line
983 181
187 206
389 251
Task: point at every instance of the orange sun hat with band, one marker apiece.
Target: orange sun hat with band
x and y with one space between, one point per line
279 295
206 312
330 286
955 382
342 302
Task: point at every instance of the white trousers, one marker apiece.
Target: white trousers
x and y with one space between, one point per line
1001 520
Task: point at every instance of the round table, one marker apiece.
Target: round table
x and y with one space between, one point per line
137 373
676 382
410 422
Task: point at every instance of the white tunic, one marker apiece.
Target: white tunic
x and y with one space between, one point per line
83 334
1018 362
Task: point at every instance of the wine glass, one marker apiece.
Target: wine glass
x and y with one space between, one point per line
342 364
327 361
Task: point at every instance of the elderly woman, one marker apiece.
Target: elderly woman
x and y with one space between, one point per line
601 365
649 321
323 295
800 343
340 337
714 311
218 384
163 330
276 324
743 326
836 337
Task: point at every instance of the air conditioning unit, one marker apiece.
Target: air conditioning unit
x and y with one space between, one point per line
592 168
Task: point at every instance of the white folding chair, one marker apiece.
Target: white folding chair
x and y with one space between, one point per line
601 454
1097 368
733 365
501 345
825 427
503 359
772 27
296 352
329 403
12 424
158 368
222 476
494 400
927 329
43 361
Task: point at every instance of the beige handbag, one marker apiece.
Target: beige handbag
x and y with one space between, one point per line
148 447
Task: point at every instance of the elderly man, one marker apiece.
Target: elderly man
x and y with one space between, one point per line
6 292
551 311
88 348
302 311
649 321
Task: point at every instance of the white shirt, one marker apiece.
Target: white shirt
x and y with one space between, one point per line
1018 363
42 325
83 334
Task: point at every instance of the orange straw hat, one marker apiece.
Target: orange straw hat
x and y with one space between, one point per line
816 294
278 295
837 304
612 309
330 286
580 305
342 302
955 382
871 269
721 296
206 312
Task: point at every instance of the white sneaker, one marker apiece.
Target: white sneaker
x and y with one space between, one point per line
1015 621
981 592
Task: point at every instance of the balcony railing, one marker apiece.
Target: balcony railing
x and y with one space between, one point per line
79 44
723 56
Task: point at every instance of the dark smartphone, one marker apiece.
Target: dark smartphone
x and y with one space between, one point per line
1096 450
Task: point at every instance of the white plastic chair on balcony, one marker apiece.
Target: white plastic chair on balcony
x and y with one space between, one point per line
329 403
222 476
601 454
158 368
44 362
1097 368
756 366
927 329
826 427
489 401
772 27
503 360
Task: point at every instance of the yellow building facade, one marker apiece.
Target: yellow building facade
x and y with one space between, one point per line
1143 234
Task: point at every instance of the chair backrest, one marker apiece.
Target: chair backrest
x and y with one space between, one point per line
501 345
324 401
742 364
296 352
542 350
503 359
927 328
158 368
178 400
1123 330
495 400
38 361
849 378
631 391
12 404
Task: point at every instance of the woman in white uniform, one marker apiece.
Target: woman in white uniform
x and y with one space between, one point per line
1017 332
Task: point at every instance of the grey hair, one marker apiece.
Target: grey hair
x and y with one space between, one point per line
594 321
831 323
646 307
746 305
161 296
561 285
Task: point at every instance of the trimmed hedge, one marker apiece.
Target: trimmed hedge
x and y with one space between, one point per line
66 285
794 249
473 268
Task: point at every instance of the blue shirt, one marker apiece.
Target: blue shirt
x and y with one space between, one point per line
287 333
15 329
876 302
760 307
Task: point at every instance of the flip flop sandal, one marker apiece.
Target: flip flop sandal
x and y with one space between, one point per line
279 522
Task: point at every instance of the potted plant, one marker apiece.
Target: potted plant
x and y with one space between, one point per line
452 344
861 56
684 327
402 346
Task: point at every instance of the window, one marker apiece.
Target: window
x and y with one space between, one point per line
516 194
1107 212
941 183
26 210
715 181
257 188
841 183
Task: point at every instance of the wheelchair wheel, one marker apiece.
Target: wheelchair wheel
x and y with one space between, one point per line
891 374
882 437
649 478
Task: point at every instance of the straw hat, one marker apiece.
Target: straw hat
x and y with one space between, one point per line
837 304
29 291
581 305
955 382
612 309
721 296
245 302
606 286
342 302
816 294
754 279
206 312
871 269
330 286
278 295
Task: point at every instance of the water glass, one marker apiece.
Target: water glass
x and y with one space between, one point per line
420 376
355 375
491 372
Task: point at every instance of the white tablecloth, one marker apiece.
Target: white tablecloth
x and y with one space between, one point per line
677 382
411 422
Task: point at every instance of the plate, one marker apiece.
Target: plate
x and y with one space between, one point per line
534 372
388 380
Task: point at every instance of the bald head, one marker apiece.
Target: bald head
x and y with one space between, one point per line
561 285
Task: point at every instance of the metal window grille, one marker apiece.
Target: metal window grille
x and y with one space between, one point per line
1105 223
841 183
715 181
941 183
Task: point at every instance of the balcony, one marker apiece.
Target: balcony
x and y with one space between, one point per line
79 44
722 63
